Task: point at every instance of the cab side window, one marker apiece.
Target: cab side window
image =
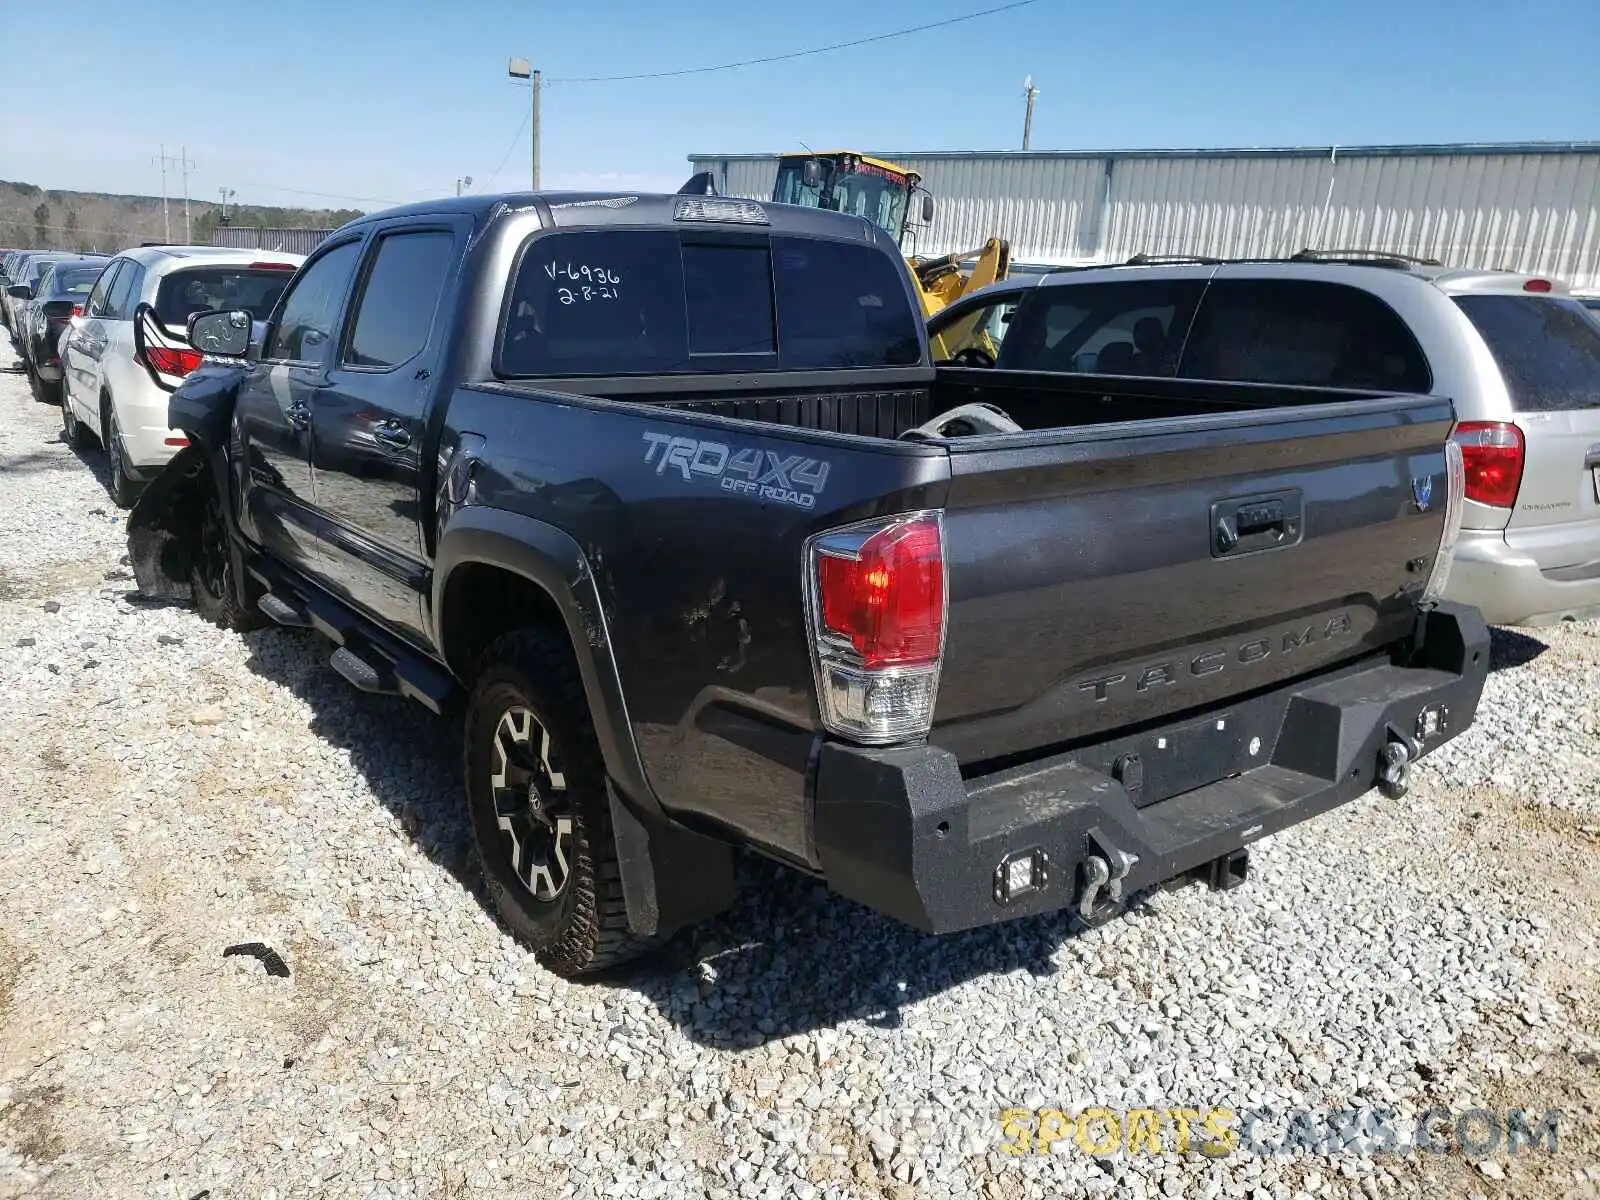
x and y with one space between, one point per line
306 327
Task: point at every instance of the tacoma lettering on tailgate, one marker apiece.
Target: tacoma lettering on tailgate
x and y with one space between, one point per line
746 471
1144 677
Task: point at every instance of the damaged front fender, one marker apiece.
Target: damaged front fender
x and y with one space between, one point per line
164 526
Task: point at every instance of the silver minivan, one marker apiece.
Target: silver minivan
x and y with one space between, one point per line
1518 355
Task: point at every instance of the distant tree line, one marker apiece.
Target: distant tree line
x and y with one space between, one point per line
34 218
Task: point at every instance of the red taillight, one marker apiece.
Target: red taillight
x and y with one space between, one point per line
1491 454
175 439
77 310
888 601
1536 285
172 362
269 266
877 617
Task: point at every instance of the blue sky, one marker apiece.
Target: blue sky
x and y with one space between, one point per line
324 101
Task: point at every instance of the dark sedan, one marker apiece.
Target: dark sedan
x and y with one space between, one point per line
21 281
59 296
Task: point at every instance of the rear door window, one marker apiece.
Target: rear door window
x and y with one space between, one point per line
1548 349
1132 328
200 289
641 302
399 299
1303 333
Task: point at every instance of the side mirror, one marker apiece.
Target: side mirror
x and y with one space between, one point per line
226 333
927 208
20 291
811 173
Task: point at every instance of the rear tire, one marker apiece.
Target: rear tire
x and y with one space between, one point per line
72 431
44 393
124 491
537 801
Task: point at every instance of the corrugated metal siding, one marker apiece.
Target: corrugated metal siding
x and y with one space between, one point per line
289 241
1525 210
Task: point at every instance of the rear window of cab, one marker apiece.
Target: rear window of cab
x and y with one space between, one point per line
658 302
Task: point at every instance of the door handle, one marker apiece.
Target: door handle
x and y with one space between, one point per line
392 435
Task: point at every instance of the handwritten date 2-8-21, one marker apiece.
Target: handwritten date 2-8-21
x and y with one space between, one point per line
588 282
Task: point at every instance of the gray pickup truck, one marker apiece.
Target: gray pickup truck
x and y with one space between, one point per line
666 493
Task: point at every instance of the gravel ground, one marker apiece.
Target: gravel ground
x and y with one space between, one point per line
176 789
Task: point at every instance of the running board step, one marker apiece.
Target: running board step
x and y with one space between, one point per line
284 613
362 674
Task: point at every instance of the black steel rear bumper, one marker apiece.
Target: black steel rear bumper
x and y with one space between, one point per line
901 831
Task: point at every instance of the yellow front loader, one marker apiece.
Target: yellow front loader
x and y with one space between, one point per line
882 192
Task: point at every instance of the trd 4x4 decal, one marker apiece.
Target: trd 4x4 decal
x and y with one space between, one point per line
764 474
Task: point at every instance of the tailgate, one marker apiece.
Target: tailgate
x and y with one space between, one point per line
1103 578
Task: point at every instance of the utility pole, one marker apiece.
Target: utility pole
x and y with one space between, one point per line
520 68
166 219
1030 92
226 194
184 165
535 136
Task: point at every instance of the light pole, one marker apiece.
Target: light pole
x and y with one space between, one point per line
519 68
464 181
1030 92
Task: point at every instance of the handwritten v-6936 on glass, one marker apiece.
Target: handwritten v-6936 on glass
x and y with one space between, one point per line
589 282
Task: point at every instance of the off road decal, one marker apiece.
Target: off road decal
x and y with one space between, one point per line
746 471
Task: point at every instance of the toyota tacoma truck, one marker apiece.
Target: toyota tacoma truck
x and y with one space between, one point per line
662 499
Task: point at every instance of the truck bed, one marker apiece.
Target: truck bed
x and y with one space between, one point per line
1034 400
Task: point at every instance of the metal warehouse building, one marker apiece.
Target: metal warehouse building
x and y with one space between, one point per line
1529 207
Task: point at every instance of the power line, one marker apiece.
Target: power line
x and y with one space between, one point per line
273 187
772 58
510 146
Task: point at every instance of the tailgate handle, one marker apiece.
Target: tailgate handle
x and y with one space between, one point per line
1592 458
1246 524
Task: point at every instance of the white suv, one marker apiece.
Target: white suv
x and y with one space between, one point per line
1518 356
123 356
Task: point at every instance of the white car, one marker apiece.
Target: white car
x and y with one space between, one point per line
113 380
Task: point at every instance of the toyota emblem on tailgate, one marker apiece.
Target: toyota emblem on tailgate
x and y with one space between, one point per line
1422 491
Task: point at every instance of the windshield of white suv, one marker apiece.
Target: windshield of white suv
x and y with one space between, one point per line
1548 349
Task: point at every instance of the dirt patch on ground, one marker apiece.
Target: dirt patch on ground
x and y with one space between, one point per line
28 1124
1546 853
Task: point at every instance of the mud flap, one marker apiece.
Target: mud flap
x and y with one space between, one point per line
164 526
671 876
